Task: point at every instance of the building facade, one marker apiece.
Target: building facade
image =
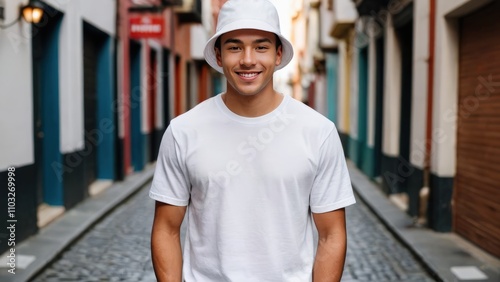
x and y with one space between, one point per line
86 100
415 106
62 73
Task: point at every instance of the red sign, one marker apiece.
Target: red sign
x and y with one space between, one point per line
147 26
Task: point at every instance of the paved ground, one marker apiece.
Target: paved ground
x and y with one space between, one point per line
117 249
373 254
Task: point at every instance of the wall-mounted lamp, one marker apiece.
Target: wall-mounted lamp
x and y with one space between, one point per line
31 13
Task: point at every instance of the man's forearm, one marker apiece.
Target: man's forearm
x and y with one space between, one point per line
330 258
167 256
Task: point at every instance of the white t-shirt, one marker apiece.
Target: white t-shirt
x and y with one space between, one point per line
250 185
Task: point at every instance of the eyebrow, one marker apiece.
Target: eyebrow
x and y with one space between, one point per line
237 41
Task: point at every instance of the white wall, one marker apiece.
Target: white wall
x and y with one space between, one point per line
101 13
71 81
312 38
392 92
16 112
199 36
344 11
458 8
419 83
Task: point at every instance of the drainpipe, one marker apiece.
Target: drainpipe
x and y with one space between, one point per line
424 192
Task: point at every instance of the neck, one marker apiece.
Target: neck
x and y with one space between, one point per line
252 105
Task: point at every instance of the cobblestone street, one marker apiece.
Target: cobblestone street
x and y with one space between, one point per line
117 249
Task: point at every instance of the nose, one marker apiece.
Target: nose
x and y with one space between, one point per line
248 57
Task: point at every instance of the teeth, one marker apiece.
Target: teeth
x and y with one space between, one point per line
248 75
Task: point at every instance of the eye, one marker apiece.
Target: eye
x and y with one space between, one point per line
262 48
233 48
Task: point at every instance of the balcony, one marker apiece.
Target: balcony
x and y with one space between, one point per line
343 18
327 42
189 11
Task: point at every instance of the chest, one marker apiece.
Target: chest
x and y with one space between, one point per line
259 154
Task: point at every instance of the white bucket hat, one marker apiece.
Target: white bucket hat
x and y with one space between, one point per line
247 14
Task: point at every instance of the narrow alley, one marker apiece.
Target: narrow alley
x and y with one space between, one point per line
88 89
117 249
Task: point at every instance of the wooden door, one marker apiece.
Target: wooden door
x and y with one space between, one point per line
477 184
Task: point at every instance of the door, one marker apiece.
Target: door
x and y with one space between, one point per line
476 199
153 88
379 105
90 58
363 158
135 107
48 159
405 37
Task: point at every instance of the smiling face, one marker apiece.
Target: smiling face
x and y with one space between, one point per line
249 58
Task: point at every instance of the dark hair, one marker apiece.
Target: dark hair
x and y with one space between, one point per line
217 44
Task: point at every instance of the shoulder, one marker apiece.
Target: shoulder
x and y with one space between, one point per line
195 116
309 119
187 125
307 113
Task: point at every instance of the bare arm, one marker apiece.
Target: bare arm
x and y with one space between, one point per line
165 242
332 245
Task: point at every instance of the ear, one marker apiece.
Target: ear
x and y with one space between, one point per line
279 55
218 56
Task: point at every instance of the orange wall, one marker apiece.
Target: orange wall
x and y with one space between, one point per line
182 43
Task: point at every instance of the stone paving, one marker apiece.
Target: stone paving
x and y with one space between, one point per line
373 254
117 249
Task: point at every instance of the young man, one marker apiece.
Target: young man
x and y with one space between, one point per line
253 168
